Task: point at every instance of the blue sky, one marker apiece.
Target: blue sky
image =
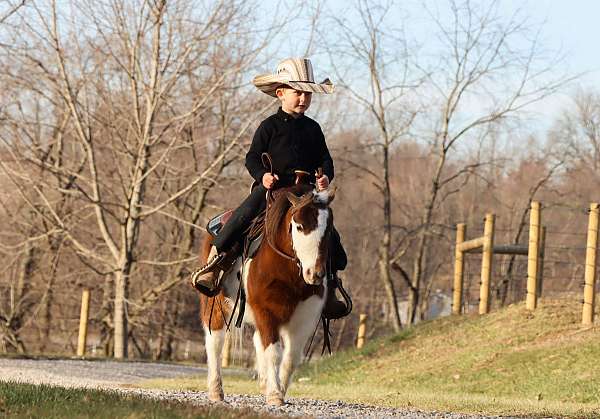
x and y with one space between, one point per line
572 25
569 26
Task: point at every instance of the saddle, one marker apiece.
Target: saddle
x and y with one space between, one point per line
249 240
215 224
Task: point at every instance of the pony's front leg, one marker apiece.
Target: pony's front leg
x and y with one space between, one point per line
214 347
271 358
261 369
292 354
267 338
295 335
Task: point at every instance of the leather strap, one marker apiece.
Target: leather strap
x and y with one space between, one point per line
267 162
279 252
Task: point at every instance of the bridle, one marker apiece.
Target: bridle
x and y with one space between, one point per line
301 177
281 253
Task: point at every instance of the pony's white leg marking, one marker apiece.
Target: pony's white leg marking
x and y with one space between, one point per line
289 360
214 348
260 363
272 356
248 313
295 335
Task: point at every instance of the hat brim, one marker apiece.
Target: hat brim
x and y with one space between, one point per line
269 84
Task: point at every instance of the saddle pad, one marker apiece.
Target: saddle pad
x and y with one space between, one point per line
254 245
216 223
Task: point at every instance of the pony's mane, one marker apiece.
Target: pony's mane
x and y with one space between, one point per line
279 208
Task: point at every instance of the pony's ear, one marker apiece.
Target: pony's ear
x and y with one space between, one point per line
294 200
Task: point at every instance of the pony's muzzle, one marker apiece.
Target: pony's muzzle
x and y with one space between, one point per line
314 276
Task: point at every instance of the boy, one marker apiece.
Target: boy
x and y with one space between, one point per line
294 141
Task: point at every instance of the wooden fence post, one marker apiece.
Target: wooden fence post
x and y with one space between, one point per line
362 328
226 356
587 316
533 255
486 264
83 322
459 264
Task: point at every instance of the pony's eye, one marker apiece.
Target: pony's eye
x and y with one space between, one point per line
299 228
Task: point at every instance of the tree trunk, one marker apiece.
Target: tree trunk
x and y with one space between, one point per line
384 247
420 259
47 316
384 273
120 315
414 291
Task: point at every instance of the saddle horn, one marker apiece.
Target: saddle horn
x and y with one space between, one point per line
302 177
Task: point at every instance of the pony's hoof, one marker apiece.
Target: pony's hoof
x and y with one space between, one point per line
216 396
275 400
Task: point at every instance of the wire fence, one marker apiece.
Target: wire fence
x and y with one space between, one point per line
562 270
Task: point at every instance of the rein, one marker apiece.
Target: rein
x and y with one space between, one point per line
280 252
268 164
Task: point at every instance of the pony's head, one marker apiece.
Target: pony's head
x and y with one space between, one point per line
311 224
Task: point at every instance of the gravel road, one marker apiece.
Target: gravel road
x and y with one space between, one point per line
120 376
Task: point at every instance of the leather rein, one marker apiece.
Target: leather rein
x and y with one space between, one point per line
268 164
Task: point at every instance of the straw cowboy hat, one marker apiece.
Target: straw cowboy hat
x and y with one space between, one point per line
294 72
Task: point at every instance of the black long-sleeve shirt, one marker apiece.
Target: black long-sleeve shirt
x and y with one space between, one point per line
293 143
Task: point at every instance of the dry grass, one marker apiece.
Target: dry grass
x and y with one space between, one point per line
511 362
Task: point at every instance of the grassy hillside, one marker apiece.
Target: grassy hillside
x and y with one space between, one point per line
508 362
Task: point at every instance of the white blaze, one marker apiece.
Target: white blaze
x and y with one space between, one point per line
306 246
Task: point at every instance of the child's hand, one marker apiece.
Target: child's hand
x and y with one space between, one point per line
268 180
322 182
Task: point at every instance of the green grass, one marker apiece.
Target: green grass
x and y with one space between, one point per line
510 362
43 401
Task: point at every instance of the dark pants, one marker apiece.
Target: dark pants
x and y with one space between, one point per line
241 218
339 257
251 207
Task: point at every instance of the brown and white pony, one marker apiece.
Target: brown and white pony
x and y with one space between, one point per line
285 291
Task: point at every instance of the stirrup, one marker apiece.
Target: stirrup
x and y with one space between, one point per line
210 265
204 289
336 309
209 286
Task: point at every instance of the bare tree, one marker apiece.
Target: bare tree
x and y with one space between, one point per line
382 58
10 8
577 133
483 79
136 100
